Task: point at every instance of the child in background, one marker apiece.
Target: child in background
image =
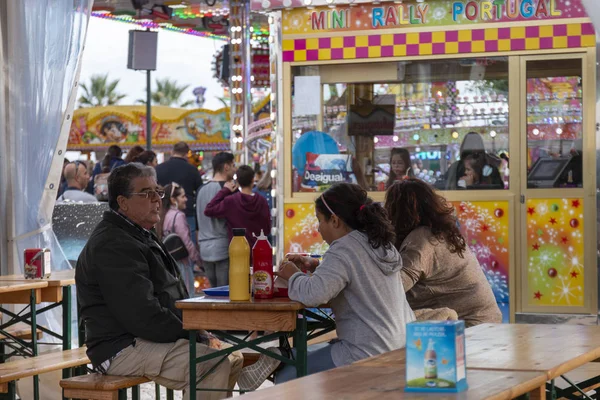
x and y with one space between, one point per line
399 166
174 221
358 277
478 174
241 208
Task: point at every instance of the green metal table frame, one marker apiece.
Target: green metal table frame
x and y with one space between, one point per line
22 347
305 330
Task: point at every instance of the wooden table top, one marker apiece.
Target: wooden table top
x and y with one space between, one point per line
382 383
18 286
57 278
223 304
553 349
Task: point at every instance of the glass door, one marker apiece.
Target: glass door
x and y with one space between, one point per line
553 137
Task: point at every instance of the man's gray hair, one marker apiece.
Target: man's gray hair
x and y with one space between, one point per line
119 181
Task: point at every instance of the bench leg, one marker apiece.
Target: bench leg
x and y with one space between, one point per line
170 395
192 388
11 393
300 344
122 394
157 391
32 305
135 393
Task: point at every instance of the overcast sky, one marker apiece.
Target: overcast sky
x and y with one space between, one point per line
182 57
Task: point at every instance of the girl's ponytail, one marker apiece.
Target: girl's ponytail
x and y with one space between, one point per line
375 224
352 205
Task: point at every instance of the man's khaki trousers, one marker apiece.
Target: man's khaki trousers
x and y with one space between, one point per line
168 365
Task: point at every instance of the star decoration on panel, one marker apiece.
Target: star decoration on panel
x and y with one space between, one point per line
484 226
555 251
301 230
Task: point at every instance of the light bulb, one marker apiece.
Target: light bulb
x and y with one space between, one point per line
493 133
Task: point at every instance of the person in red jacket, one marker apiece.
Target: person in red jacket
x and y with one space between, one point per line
241 208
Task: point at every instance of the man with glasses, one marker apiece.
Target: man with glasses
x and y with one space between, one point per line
77 177
127 286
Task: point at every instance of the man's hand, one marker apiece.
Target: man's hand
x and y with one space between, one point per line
214 343
231 185
304 263
468 179
286 270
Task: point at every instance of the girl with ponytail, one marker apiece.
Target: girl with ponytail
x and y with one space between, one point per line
358 277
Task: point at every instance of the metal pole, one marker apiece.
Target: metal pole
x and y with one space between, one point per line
246 82
148 111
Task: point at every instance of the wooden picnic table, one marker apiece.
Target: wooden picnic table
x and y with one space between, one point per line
55 289
388 382
552 349
51 293
281 316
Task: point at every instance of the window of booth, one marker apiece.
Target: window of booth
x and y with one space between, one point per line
554 124
443 121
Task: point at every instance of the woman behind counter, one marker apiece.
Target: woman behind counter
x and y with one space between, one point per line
438 269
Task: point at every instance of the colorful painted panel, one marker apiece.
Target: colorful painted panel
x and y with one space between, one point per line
555 252
484 226
126 125
303 21
301 230
466 41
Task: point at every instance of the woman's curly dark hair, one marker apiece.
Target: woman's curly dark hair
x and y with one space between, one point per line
412 203
352 205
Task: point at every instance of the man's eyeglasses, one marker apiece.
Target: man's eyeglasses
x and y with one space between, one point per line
151 193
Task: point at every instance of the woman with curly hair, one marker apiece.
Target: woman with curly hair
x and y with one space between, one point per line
438 269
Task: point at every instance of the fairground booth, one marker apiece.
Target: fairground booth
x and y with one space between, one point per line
365 84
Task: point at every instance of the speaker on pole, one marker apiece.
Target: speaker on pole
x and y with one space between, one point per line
142 50
224 72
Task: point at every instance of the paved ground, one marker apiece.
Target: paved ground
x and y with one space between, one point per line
148 392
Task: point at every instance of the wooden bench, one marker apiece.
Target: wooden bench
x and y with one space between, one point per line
107 387
20 330
586 377
12 371
99 387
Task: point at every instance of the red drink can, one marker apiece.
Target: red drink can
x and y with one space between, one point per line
37 263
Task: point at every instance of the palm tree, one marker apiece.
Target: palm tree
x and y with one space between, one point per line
168 93
100 92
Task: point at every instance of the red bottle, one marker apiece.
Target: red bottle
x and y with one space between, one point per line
262 259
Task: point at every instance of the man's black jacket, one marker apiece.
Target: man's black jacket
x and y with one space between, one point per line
127 286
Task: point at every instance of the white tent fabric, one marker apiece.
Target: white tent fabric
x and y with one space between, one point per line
41 44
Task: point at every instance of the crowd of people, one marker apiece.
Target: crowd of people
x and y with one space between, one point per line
387 265
217 206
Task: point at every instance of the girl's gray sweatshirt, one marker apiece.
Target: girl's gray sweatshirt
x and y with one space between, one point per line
366 294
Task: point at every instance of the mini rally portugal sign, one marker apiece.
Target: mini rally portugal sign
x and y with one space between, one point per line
432 13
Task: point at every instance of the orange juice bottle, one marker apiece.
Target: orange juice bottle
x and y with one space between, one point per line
239 266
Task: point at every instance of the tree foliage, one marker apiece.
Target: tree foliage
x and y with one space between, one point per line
100 92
